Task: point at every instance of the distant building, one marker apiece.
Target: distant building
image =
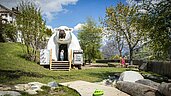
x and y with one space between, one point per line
7 15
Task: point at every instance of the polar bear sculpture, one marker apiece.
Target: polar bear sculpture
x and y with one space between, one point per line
63 39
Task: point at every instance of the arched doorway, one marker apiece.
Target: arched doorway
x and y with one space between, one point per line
65 48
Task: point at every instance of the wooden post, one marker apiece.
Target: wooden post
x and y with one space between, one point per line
50 58
70 59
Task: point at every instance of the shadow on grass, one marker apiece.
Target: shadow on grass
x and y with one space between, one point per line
9 75
105 75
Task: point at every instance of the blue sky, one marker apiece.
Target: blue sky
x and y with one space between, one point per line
80 11
71 13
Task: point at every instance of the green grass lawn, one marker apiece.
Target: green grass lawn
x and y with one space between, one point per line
15 69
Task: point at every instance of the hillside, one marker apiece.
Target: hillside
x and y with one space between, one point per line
15 69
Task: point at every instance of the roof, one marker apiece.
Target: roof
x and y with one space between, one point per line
4 9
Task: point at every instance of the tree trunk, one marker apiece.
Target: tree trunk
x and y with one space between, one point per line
120 53
89 61
35 56
130 56
28 52
1 38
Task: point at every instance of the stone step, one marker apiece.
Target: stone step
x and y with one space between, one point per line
60 61
60 65
60 69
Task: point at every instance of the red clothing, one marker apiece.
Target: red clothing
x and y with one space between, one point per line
123 61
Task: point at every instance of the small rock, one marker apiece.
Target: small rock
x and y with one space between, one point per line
32 92
156 78
165 88
108 82
132 66
4 87
53 84
22 87
112 77
36 86
143 67
130 76
30 88
11 93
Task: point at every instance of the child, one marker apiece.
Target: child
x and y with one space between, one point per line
62 55
123 61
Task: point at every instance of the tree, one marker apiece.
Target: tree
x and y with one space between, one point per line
108 50
158 24
10 32
31 25
48 31
125 21
115 38
1 30
7 31
90 39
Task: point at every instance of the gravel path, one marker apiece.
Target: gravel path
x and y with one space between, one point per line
87 88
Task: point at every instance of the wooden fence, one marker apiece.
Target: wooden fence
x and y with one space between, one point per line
135 62
163 68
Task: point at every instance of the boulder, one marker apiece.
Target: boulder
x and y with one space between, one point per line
148 82
53 84
9 93
136 89
165 88
130 76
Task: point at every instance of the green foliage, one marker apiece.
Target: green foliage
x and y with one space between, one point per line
31 25
158 24
125 21
115 57
143 53
10 32
48 31
2 39
90 39
7 32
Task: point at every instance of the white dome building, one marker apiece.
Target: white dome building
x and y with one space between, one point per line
64 39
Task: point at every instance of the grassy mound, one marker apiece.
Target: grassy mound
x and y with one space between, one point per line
15 69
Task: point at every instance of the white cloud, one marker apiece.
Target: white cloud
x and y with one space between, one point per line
49 27
48 7
78 27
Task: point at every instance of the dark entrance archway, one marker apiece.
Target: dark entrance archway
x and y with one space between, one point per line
65 48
